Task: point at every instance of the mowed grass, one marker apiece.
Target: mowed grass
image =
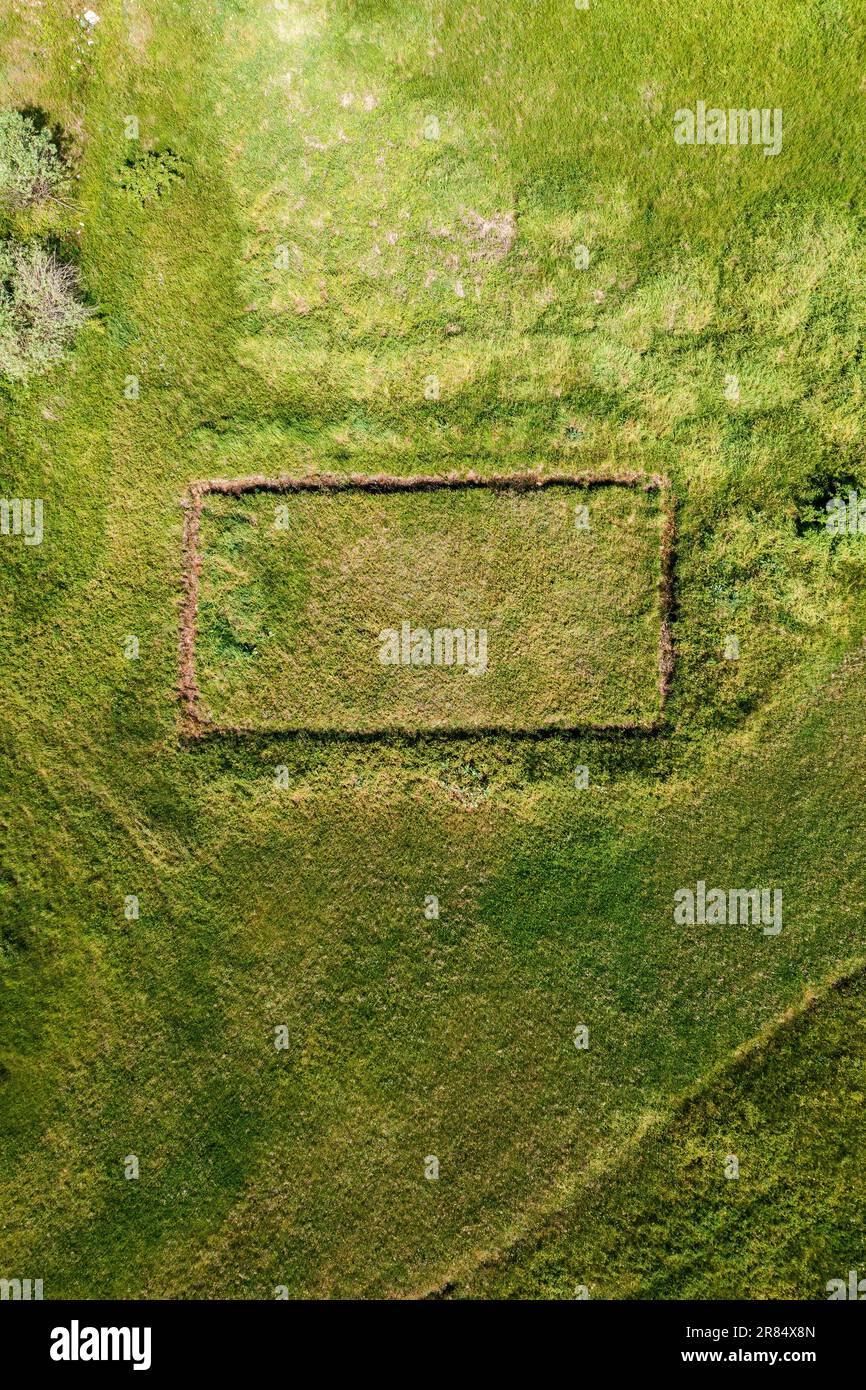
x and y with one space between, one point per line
554 594
277 306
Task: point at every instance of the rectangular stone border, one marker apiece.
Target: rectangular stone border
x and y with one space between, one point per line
196 725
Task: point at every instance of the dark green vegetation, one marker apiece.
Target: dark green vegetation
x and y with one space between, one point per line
281 262
304 598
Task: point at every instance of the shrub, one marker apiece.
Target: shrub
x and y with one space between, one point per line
149 174
39 309
31 169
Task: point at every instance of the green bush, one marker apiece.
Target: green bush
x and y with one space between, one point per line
149 174
39 309
31 169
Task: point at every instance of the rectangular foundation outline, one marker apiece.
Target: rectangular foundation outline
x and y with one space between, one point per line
196 725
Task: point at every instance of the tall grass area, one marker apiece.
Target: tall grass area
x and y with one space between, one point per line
279 262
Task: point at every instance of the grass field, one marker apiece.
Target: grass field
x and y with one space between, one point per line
321 611
348 238
662 1224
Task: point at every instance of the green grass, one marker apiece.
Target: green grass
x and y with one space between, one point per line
556 595
305 905
671 1220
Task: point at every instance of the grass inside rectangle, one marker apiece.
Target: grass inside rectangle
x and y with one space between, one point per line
444 608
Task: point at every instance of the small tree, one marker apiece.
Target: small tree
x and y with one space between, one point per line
31 169
39 309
